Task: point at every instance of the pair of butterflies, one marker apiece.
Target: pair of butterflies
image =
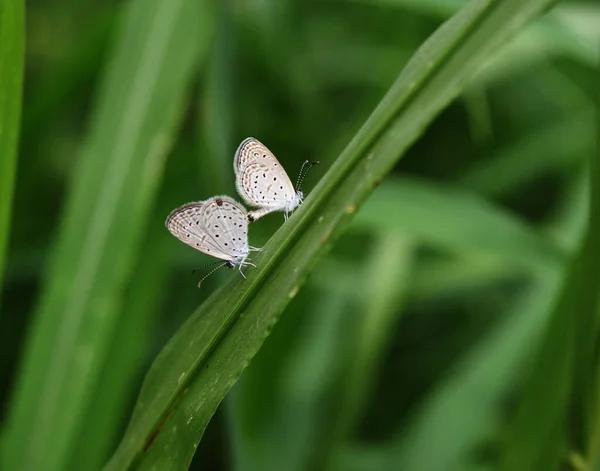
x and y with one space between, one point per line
219 225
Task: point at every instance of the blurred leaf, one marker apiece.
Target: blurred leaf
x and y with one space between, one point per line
577 28
478 108
466 272
540 152
387 283
135 340
11 83
465 410
431 277
138 107
277 408
217 123
572 212
543 41
439 8
300 400
560 383
71 74
203 360
570 29
120 374
458 220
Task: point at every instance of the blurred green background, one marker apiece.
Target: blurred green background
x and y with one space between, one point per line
407 345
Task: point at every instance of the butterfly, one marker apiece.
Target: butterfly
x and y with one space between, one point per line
262 182
217 227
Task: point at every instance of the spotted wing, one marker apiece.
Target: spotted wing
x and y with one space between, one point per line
252 151
187 223
259 175
227 224
266 187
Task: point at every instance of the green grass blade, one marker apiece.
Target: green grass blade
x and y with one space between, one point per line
71 74
119 376
216 128
138 323
338 342
560 145
12 24
557 403
120 168
277 406
487 242
456 219
570 31
464 413
465 410
592 445
387 282
205 357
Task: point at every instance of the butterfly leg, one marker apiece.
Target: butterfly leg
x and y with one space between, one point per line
255 249
244 263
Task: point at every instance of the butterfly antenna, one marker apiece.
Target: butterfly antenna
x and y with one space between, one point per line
211 272
207 265
303 173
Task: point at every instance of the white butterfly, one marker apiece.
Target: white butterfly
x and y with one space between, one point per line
217 227
262 182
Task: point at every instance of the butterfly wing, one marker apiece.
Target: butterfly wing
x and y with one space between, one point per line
194 224
265 188
227 224
260 179
250 151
